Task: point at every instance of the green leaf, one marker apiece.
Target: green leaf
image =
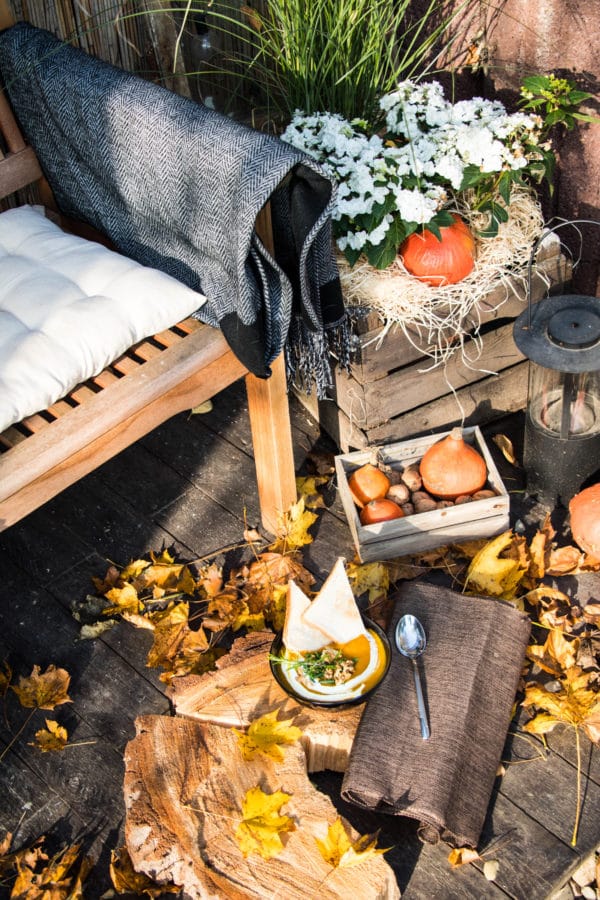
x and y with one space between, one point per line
352 255
382 255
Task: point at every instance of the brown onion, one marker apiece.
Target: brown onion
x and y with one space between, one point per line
368 483
584 509
452 467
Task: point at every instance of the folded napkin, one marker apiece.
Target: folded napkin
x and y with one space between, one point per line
470 672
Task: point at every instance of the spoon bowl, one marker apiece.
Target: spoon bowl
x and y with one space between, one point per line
411 642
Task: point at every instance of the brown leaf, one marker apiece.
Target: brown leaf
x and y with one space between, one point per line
321 463
43 690
51 738
127 881
564 560
57 880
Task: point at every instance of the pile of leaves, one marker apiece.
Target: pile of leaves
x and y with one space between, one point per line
192 609
195 608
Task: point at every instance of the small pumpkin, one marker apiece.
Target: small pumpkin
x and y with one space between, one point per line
451 467
438 262
584 511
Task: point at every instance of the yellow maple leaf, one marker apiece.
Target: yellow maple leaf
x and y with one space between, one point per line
292 530
43 690
491 574
373 577
177 648
308 487
339 851
56 878
556 654
460 856
575 703
123 600
127 881
261 826
265 735
51 738
133 569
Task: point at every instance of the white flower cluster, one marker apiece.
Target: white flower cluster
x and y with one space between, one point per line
412 171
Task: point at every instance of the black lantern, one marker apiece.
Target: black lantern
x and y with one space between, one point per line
561 338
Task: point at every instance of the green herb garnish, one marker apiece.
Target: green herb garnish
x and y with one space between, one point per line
327 666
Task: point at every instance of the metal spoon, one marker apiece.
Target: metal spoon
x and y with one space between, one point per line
411 642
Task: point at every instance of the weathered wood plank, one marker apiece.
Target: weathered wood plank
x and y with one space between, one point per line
481 402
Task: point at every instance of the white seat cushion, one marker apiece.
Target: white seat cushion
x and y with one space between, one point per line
68 308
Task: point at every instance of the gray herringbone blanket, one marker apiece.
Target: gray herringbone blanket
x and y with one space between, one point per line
178 186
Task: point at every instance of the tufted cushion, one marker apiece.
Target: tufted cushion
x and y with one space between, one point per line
68 308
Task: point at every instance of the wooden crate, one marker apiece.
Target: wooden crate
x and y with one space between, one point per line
426 530
388 395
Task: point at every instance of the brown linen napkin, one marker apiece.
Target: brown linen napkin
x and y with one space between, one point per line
470 672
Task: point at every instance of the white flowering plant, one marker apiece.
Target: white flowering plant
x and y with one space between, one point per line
429 158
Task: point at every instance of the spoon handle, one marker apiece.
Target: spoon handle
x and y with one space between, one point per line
425 732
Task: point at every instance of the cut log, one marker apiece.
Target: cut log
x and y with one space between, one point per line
184 786
243 689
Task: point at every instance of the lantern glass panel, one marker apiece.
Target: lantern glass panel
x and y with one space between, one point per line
564 403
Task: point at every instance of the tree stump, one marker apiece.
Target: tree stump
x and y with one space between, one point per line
185 781
243 688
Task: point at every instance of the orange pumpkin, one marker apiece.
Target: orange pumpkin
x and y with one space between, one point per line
438 262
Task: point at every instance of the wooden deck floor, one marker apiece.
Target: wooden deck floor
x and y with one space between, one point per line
188 485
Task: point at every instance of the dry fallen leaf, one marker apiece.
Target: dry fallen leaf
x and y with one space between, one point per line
308 487
504 444
557 654
51 738
265 735
495 575
41 878
292 531
261 825
372 577
490 869
43 690
127 881
339 851
460 856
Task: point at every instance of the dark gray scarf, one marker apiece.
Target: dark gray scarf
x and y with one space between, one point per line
178 186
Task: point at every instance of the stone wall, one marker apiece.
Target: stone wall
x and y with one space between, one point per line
524 37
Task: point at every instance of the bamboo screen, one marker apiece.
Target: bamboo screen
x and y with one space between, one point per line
147 37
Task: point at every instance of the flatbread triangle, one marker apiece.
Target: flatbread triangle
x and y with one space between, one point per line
334 609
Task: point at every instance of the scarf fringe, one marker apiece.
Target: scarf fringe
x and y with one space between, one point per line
310 355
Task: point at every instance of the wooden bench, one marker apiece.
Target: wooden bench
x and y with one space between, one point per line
159 377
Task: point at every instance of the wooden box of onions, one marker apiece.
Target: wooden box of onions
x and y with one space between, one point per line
445 495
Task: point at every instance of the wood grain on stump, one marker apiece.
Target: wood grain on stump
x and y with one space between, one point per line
243 688
185 781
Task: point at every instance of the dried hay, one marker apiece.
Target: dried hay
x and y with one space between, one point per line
436 320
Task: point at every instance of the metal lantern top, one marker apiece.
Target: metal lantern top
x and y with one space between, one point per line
561 333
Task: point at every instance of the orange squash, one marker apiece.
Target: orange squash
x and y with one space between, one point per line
438 262
451 467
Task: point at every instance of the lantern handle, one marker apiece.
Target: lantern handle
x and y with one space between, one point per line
549 230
